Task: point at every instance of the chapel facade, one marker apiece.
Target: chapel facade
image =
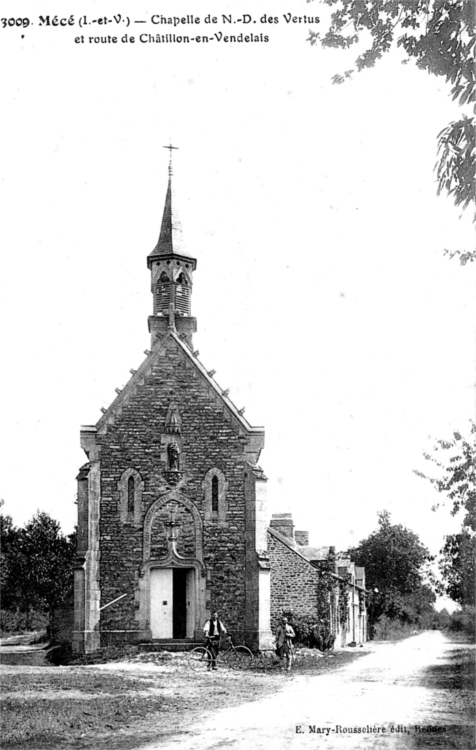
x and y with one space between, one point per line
172 512
171 504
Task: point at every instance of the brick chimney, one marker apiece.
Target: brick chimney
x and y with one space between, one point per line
283 522
302 538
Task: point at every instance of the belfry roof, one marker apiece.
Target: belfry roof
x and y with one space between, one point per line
170 240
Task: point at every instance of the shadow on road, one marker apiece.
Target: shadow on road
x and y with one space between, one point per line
455 673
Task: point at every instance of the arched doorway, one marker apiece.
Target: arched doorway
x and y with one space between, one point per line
172 585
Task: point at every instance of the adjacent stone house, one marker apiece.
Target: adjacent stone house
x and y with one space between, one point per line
315 583
172 516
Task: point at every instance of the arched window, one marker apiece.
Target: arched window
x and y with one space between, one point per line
130 487
215 494
214 490
130 494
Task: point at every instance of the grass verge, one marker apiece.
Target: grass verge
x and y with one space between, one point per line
123 704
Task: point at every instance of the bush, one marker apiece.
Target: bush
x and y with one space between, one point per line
463 621
311 632
14 621
390 629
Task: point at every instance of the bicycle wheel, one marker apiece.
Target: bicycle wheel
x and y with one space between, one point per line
200 659
238 657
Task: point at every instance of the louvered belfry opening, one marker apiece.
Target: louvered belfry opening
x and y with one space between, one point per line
182 295
163 293
176 293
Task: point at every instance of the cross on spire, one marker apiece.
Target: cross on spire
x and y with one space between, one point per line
170 147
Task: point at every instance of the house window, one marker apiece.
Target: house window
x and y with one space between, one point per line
215 494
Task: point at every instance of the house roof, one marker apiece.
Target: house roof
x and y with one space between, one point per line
310 554
316 553
290 543
301 551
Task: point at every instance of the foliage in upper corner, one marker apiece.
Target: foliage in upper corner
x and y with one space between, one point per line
456 166
441 38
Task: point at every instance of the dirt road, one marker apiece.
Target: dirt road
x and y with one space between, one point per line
408 686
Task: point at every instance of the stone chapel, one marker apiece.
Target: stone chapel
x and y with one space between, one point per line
172 518
172 515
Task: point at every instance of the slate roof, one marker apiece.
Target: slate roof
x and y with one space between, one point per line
316 553
289 542
170 240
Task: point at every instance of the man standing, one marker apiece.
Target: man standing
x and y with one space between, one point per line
284 642
213 629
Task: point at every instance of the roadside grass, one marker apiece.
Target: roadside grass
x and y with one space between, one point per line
36 722
456 673
123 704
387 629
308 660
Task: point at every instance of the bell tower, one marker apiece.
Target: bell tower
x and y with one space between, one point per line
171 276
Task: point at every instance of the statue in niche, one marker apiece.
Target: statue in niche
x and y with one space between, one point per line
173 455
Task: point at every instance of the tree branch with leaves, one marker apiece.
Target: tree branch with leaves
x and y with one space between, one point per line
440 37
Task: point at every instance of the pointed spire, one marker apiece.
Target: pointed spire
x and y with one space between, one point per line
170 240
171 276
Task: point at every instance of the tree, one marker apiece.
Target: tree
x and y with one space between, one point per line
441 38
418 607
395 564
457 565
8 539
37 565
455 462
47 561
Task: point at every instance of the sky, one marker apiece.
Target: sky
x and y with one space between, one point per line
324 300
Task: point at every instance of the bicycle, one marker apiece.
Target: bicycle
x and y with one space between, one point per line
235 657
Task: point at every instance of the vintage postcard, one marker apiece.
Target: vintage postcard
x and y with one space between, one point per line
238 305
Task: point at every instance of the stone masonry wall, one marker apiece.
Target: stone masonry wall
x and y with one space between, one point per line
294 582
208 439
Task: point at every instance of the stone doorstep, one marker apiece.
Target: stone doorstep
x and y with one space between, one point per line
164 644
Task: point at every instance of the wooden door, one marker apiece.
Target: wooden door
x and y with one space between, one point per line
161 602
